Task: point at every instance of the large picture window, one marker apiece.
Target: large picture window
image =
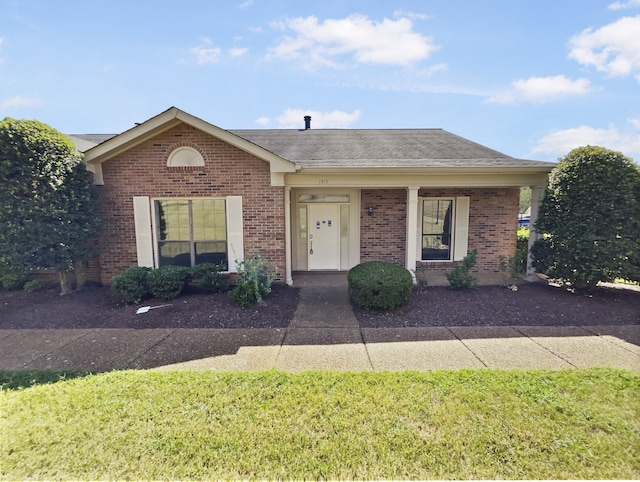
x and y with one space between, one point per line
437 216
191 231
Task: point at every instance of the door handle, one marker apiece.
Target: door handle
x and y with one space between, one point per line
311 247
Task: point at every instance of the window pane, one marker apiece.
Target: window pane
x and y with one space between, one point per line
172 220
212 252
323 198
303 222
436 229
209 220
344 221
174 253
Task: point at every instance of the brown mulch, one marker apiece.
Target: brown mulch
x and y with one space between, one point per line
98 308
532 304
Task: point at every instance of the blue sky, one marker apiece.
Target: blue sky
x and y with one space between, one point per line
530 78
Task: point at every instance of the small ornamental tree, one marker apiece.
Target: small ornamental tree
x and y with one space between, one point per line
589 219
48 205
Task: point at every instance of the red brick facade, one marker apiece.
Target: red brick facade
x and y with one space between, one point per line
493 221
228 171
383 234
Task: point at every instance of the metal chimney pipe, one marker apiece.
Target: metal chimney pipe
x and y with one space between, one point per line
307 122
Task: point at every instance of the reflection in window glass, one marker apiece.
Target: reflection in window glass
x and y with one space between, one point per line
436 229
323 198
191 232
303 223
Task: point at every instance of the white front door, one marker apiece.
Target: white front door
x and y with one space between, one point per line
324 236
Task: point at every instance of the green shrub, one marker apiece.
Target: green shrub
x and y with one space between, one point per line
209 278
12 279
379 286
515 267
132 284
256 276
459 278
168 282
35 285
590 219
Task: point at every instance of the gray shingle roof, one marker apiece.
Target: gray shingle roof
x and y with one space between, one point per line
379 148
84 142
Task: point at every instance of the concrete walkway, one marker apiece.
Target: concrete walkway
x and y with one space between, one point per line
324 334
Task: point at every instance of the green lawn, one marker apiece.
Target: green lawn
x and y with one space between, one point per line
477 424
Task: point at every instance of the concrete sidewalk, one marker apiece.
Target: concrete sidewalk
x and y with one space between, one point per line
324 334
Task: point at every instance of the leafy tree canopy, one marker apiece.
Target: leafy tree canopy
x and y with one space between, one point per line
48 206
590 219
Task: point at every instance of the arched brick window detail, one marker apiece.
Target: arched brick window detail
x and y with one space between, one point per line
185 156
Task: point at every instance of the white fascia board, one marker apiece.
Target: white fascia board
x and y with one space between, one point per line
132 137
394 179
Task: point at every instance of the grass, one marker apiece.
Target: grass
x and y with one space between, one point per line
573 424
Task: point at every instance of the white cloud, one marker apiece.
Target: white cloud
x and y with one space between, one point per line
294 118
613 49
563 141
432 69
623 5
406 14
542 89
238 52
389 42
205 53
18 101
263 121
246 4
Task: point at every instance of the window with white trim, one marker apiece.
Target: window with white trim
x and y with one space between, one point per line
437 233
146 224
443 228
191 231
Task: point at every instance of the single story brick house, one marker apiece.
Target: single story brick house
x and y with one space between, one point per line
179 190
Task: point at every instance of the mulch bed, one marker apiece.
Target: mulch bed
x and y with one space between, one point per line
532 304
98 308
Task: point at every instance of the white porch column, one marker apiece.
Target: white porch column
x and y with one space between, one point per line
536 197
412 230
287 236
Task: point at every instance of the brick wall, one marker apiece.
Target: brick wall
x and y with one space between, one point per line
493 222
493 219
383 234
228 171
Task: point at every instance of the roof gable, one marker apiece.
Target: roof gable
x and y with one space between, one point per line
110 148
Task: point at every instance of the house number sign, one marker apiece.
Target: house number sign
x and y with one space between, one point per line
323 181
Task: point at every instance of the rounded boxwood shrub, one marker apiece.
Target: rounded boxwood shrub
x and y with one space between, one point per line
168 282
35 285
379 285
131 284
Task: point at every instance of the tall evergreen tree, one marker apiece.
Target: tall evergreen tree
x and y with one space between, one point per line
48 205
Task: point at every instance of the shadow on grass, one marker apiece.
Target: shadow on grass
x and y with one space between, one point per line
18 379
